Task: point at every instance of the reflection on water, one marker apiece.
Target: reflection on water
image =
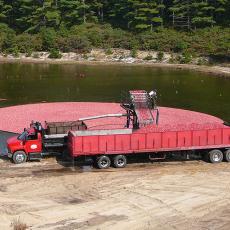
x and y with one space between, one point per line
29 83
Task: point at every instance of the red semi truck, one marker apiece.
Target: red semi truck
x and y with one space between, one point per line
141 135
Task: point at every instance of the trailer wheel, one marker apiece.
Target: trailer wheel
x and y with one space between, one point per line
215 156
227 155
103 162
19 157
119 161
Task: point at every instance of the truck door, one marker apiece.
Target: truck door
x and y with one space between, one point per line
33 143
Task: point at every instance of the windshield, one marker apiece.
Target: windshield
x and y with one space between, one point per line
22 136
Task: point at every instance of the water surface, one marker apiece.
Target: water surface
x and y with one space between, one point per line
33 83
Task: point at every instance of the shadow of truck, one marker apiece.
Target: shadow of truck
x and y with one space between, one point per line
4 135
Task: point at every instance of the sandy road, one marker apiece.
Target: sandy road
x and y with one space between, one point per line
175 195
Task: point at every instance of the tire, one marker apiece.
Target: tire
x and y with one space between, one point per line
215 156
103 162
19 157
227 155
119 161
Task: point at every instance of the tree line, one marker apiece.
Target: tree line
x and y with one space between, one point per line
198 26
133 15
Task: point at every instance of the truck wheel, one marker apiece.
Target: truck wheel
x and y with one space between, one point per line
227 155
19 157
119 161
103 162
215 156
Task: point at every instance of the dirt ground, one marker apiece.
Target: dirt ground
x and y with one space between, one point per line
166 195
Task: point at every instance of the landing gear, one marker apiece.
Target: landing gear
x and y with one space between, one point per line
227 155
103 162
119 161
19 157
215 156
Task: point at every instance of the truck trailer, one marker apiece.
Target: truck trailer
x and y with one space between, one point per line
141 134
108 147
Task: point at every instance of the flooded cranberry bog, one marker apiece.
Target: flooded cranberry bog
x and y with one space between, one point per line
58 194
35 83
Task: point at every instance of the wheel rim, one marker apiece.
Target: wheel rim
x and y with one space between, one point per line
20 157
120 162
104 163
217 157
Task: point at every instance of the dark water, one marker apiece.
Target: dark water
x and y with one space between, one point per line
29 83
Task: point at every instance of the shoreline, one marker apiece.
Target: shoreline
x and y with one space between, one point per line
216 70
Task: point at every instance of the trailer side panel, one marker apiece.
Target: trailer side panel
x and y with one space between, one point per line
138 142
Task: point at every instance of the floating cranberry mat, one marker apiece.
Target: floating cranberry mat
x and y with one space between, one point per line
16 118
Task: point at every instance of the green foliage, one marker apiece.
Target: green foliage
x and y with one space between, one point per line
27 43
72 11
74 43
199 14
4 30
133 53
108 51
48 37
148 58
9 41
103 36
5 11
29 53
185 58
180 45
163 40
138 15
172 59
135 15
202 61
211 41
79 25
55 54
15 52
160 56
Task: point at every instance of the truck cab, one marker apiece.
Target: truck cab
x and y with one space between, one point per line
27 145
36 141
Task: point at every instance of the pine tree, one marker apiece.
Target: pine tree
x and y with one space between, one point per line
73 11
95 10
221 10
202 13
195 13
6 11
136 14
22 11
133 15
45 14
120 12
181 13
147 14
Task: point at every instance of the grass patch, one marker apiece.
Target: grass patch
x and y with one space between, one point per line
17 224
